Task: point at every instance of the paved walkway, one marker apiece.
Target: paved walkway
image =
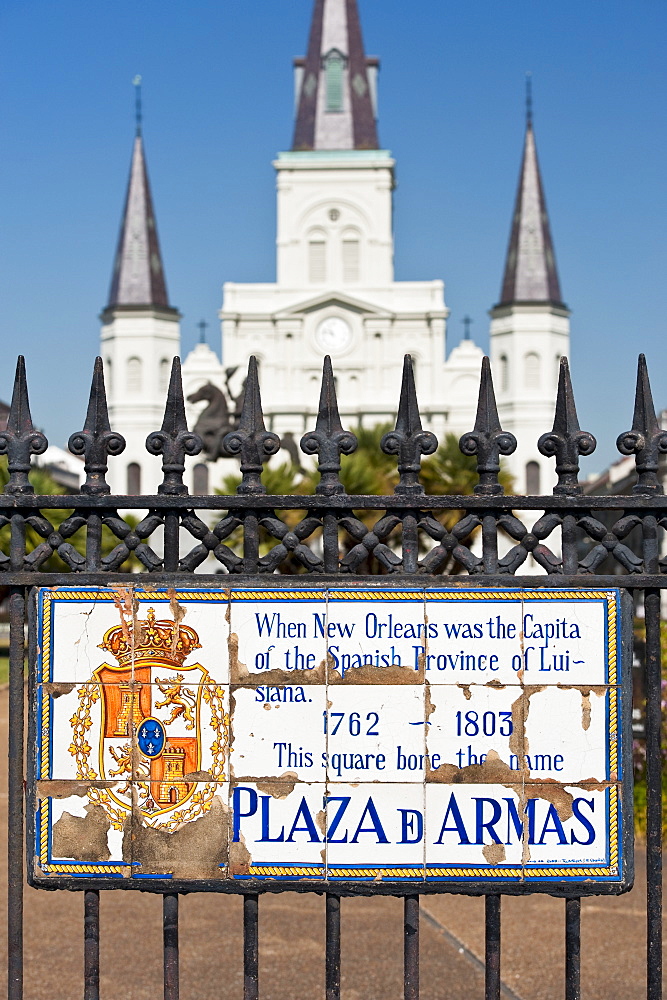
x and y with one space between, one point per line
292 937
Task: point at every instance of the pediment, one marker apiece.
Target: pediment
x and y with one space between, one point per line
329 299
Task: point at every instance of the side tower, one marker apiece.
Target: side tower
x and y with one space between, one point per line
140 335
335 291
530 329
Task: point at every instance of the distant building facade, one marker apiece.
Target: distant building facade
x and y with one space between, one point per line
335 292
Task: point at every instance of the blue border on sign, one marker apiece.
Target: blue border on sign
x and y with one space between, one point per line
404 595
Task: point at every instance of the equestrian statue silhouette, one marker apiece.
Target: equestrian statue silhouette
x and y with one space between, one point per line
223 414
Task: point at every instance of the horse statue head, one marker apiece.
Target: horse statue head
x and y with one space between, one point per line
209 392
215 420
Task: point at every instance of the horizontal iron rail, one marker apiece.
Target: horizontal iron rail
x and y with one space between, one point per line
279 581
339 501
239 887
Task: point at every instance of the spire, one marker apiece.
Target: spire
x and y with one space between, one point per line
530 268
529 100
335 100
138 113
138 276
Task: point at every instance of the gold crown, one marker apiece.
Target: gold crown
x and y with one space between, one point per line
164 641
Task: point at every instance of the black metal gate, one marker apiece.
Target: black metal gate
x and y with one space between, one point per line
596 541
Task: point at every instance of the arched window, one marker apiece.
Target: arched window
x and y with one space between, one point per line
108 375
134 375
557 368
334 64
133 479
532 478
351 257
531 371
317 260
163 377
200 480
504 373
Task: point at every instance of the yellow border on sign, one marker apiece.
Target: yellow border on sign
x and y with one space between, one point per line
226 596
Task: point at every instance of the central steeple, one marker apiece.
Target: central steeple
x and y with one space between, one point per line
335 83
530 268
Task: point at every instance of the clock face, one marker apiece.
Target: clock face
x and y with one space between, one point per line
333 334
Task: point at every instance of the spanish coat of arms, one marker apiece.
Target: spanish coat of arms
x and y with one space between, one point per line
151 726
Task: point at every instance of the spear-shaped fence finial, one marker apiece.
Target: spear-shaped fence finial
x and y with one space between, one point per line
250 439
174 441
408 441
646 441
487 440
20 440
329 440
96 441
566 441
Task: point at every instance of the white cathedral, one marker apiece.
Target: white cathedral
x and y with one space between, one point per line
335 294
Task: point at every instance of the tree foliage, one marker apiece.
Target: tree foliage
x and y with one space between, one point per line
44 485
368 471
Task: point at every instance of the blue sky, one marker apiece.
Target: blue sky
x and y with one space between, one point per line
218 106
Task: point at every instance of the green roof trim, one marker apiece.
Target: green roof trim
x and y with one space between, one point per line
301 156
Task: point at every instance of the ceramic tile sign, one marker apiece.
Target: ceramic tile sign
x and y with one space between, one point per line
364 738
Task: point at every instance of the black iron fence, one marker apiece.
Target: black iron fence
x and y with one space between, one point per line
569 536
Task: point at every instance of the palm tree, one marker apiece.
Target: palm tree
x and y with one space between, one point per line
451 473
370 472
279 480
45 485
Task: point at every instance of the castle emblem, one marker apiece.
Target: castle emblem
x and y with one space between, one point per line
161 721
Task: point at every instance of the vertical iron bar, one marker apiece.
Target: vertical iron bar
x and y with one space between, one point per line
490 543
653 797
492 948
251 946
651 544
170 933
93 542
573 949
250 542
15 803
332 972
410 543
569 540
91 945
330 542
171 525
411 948
15 768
